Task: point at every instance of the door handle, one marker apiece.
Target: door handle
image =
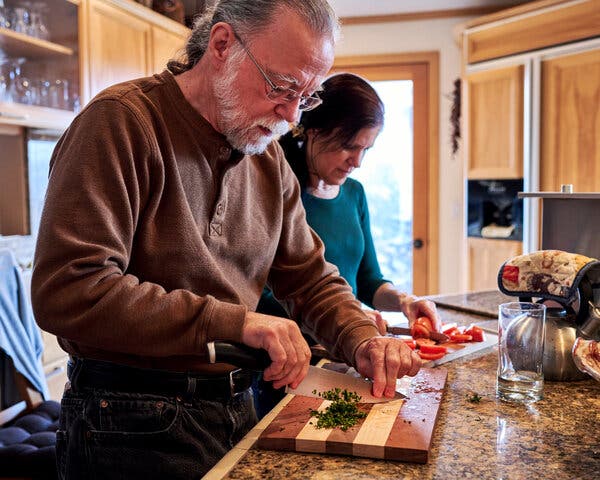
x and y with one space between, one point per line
418 243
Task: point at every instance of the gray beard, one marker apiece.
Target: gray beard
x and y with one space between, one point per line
233 120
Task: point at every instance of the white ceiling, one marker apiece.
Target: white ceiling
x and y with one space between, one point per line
363 8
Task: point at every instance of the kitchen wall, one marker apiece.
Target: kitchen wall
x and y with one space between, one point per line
428 35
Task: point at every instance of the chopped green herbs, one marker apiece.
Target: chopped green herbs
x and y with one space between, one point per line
474 397
342 412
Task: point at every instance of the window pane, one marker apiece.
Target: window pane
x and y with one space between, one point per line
387 175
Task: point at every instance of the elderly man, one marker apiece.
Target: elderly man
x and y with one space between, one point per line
169 208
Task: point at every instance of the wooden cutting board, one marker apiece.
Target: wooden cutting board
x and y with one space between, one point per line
395 430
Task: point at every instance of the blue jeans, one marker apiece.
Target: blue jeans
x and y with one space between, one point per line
122 435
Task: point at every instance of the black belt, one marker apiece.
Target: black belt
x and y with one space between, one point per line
86 373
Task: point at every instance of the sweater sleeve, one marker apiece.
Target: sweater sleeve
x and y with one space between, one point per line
369 276
312 290
99 186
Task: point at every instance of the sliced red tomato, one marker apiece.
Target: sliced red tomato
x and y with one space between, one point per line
446 327
430 356
461 338
476 332
426 348
419 331
410 343
426 322
451 331
424 341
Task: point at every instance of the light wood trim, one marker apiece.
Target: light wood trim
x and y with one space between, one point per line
509 12
382 67
575 21
147 14
413 16
570 122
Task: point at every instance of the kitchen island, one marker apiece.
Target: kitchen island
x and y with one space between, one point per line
557 437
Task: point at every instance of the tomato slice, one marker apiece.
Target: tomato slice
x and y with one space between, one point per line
476 332
426 322
446 327
426 348
451 331
419 331
461 338
424 341
430 356
410 343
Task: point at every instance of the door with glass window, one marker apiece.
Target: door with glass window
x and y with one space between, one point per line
400 172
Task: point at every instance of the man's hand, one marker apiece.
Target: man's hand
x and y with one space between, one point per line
385 359
286 346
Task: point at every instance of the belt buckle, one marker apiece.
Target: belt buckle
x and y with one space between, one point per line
231 382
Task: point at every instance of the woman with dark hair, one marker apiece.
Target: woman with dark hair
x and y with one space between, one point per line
326 146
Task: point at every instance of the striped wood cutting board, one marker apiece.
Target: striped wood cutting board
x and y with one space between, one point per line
395 430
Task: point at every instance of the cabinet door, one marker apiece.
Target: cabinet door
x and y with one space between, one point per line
165 46
570 122
485 258
495 123
118 46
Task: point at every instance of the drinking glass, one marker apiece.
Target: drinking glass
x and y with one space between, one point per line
521 332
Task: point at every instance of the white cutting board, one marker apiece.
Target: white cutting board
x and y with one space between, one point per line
490 340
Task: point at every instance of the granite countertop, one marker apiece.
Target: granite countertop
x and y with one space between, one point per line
482 303
557 437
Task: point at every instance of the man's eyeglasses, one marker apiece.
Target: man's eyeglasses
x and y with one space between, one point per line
278 93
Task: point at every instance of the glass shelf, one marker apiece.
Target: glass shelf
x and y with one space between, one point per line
34 116
15 44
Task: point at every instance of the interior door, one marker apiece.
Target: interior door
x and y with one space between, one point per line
422 70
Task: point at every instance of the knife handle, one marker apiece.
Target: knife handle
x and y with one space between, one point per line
239 355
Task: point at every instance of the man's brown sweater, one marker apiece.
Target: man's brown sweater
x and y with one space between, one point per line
157 238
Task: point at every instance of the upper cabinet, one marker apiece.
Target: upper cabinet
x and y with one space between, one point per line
39 63
531 96
570 121
125 40
57 54
495 98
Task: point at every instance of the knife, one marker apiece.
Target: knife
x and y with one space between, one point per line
433 335
317 380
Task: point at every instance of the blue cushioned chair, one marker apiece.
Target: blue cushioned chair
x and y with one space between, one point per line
28 436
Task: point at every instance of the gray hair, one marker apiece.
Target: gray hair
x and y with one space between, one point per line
251 17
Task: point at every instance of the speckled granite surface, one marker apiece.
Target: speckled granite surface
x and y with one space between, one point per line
556 438
481 303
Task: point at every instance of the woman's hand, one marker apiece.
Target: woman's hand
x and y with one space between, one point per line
414 307
378 320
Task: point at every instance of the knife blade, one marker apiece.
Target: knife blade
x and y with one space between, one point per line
433 335
319 380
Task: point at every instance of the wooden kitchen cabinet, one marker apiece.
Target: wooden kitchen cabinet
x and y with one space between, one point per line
166 44
485 258
125 40
570 122
530 95
495 98
118 47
